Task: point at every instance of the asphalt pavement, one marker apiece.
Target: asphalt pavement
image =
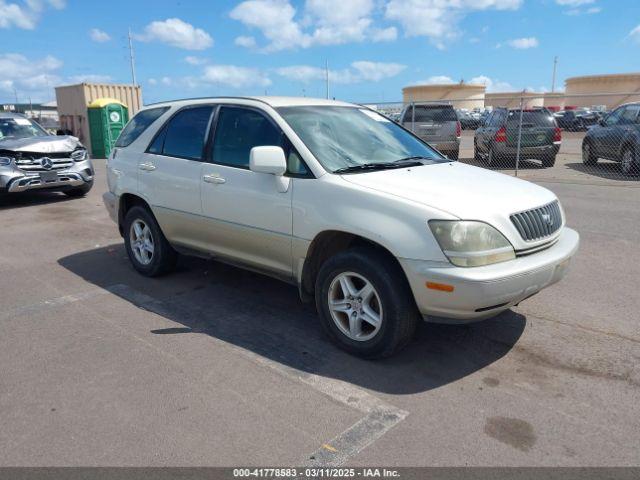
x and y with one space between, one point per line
217 366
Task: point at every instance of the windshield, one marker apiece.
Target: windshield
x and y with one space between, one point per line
343 137
20 128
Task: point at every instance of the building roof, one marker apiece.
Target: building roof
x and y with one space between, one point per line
608 76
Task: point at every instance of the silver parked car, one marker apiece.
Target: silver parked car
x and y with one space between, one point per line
366 219
436 124
32 159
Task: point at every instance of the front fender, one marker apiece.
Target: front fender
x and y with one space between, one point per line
397 224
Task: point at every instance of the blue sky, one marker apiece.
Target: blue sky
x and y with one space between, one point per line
374 47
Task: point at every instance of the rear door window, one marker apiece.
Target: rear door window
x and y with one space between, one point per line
238 130
185 134
139 124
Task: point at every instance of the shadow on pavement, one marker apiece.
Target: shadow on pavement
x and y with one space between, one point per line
29 199
265 316
604 169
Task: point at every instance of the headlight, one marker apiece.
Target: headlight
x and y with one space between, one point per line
5 161
79 154
471 244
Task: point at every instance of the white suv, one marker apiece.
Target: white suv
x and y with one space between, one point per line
355 210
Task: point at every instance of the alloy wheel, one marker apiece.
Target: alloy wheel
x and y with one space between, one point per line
141 240
355 306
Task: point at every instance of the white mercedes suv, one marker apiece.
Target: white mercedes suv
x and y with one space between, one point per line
364 217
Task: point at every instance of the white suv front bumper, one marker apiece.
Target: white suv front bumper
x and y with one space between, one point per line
483 292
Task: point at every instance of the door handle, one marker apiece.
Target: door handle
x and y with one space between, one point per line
147 167
214 179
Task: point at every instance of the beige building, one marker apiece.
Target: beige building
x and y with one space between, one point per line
624 86
461 95
512 99
73 101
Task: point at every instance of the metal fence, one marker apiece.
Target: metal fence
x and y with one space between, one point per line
588 137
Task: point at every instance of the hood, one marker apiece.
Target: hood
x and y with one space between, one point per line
45 144
467 192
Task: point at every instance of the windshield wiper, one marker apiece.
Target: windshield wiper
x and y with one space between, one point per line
379 166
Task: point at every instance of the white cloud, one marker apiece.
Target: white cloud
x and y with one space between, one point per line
29 77
491 84
99 36
437 80
193 60
323 22
438 19
523 43
25 16
358 72
635 34
234 76
176 33
384 34
274 18
245 41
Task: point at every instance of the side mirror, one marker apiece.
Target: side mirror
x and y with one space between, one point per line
601 122
268 159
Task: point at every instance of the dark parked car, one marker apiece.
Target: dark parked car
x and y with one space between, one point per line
436 124
616 137
497 140
576 119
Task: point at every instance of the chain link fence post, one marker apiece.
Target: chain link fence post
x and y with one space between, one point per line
413 117
519 136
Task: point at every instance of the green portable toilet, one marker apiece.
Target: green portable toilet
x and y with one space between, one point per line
107 118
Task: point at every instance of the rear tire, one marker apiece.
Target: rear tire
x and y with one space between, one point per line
549 161
149 251
80 191
345 316
476 153
588 156
491 158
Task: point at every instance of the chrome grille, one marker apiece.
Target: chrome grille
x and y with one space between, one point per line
31 164
539 222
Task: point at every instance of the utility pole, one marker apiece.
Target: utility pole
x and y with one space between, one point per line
326 68
553 81
132 59
15 94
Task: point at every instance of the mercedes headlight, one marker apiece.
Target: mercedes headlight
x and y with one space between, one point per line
471 244
5 161
79 154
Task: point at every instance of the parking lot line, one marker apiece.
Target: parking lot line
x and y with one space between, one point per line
379 418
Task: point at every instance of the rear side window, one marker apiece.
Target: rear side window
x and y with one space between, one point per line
185 134
238 130
432 113
139 124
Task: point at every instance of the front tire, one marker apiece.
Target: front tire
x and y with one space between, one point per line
588 155
149 251
80 191
365 303
549 161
